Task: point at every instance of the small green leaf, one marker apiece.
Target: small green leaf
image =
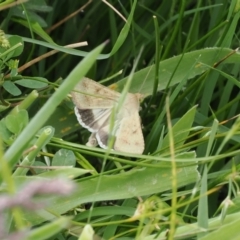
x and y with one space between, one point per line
64 157
12 124
13 72
16 123
32 83
5 133
23 117
39 164
13 40
11 88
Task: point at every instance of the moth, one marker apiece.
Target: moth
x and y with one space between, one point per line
94 104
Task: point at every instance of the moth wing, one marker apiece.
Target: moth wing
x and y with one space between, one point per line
129 137
103 135
92 119
89 94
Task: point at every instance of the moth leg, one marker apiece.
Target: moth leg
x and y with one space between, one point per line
92 140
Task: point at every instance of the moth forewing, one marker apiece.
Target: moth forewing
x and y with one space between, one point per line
89 94
132 102
129 136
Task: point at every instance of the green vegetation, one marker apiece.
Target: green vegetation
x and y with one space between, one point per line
183 57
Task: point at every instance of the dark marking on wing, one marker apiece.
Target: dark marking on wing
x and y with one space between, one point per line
102 137
87 118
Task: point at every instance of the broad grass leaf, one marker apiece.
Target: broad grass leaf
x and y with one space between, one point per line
67 172
190 66
180 130
140 182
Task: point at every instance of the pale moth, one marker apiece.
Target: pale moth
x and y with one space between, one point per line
93 106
